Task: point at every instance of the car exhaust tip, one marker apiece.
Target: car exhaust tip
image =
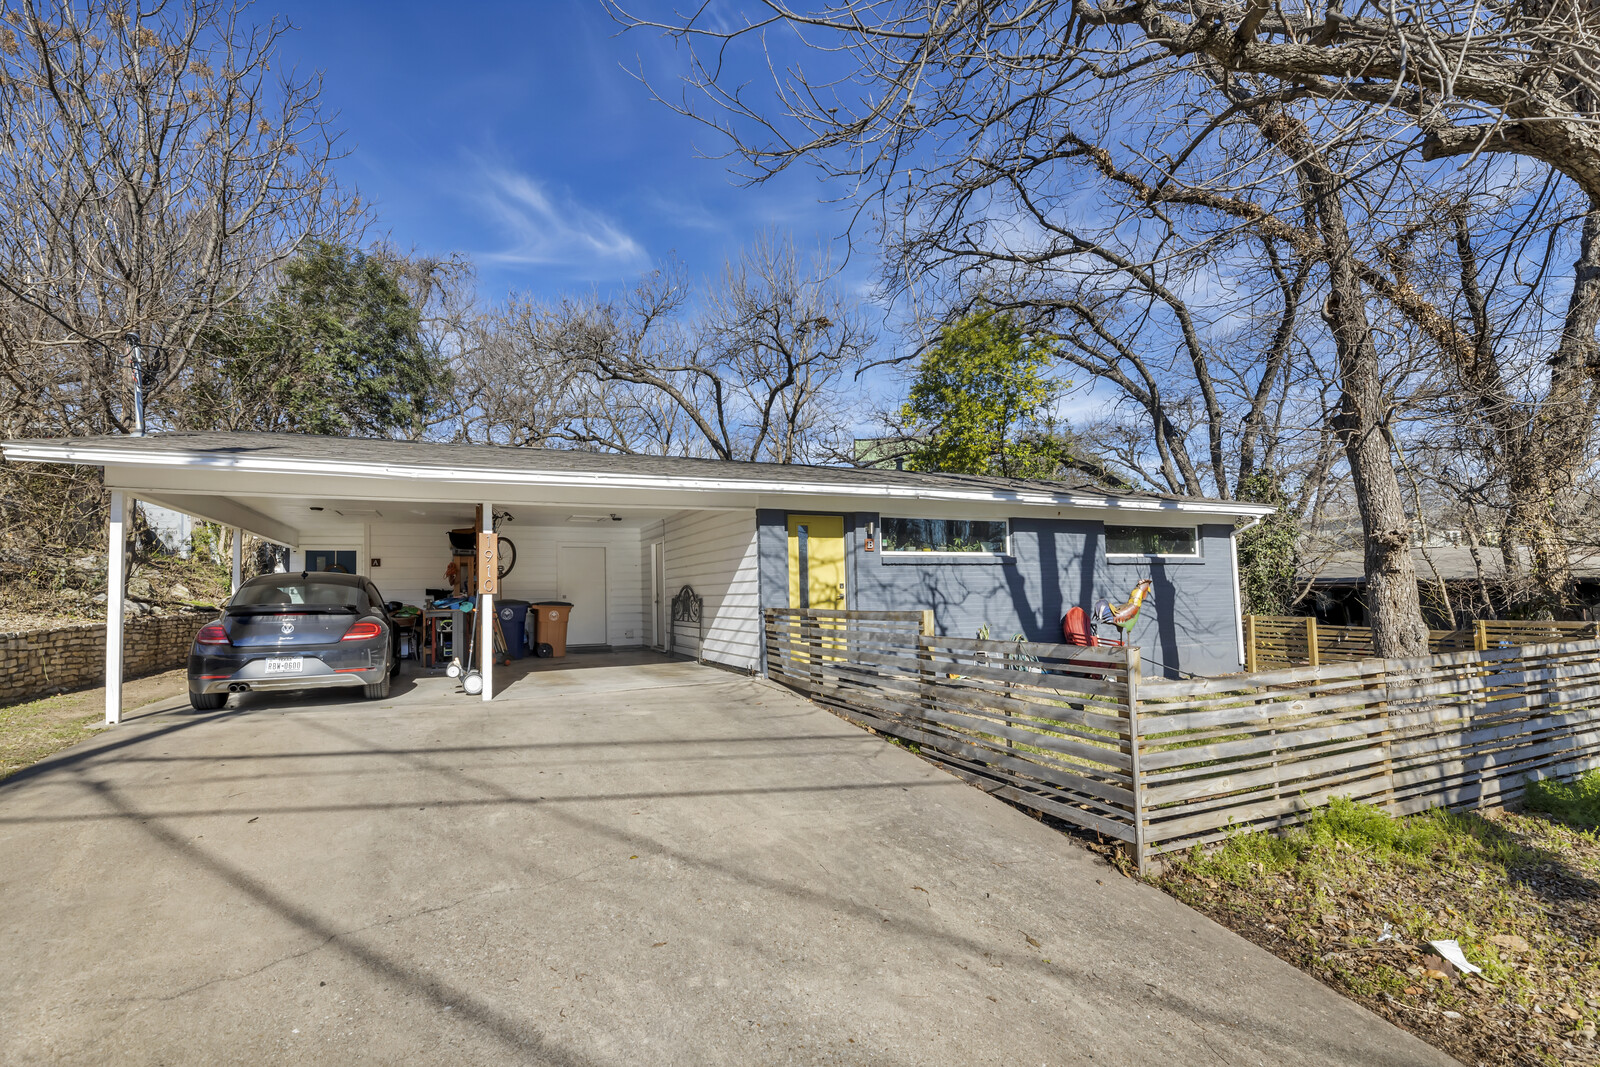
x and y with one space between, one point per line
238 687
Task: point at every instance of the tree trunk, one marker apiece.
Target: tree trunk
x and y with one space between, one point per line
1532 523
1540 475
1392 601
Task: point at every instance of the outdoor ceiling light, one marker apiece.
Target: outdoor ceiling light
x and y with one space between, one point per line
588 518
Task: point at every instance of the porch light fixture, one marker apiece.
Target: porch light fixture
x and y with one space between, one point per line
596 519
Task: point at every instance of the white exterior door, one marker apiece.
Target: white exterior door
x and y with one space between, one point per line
583 581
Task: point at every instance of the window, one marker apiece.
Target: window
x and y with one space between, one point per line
1150 541
339 560
290 590
944 535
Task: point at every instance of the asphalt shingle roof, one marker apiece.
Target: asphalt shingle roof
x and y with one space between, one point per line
450 456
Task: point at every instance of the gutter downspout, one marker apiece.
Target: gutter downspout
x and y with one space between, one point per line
1238 596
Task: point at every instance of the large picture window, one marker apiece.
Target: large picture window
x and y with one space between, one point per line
944 535
1150 541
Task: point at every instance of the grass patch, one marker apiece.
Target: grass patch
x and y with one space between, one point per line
1354 896
1576 801
30 732
38 728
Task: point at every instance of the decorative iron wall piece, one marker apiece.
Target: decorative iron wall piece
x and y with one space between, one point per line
687 607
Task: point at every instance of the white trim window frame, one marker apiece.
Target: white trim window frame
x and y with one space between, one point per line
1194 533
912 553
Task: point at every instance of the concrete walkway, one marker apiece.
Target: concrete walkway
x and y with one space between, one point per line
628 862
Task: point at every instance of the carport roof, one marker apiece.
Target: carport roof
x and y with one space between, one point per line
293 453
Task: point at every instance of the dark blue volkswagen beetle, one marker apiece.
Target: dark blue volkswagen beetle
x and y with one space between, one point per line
295 631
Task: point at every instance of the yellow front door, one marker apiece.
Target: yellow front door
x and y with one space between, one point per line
816 562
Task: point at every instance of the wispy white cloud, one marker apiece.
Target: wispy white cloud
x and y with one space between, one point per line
546 229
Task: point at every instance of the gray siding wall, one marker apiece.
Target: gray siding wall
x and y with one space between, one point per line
1188 622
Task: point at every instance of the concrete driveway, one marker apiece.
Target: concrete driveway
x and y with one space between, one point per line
631 861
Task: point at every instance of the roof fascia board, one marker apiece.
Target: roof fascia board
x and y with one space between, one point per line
321 489
229 513
103 456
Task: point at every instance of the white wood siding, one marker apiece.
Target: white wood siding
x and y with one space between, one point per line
715 552
325 530
414 557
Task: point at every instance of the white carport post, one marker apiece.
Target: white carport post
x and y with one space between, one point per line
116 586
238 558
486 613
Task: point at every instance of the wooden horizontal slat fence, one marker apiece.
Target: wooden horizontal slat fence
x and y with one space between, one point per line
1454 730
1273 641
1045 726
1165 765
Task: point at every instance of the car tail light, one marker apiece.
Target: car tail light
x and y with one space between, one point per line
212 633
362 631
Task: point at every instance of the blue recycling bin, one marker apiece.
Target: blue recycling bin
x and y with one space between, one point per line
513 615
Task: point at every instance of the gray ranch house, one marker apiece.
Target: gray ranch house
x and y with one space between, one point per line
619 536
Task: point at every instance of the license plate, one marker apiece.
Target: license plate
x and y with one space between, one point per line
285 664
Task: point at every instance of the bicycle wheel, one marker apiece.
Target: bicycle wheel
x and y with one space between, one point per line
508 556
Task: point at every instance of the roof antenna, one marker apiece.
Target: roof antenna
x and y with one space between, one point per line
136 363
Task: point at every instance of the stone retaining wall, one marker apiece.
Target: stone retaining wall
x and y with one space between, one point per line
39 662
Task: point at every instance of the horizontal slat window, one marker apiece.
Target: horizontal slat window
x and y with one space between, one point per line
1150 541
944 535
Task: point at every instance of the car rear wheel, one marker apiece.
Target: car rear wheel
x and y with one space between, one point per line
378 690
207 701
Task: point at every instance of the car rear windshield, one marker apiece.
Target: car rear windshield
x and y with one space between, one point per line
298 593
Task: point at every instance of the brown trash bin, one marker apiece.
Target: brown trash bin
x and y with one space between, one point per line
550 626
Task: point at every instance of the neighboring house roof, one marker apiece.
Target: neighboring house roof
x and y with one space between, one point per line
292 453
1448 562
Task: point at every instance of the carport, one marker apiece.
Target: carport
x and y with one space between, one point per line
615 539
620 536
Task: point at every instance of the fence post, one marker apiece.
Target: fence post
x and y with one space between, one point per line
925 680
1386 743
1141 861
1480 635
814 652
1250 643
768 639
1311 641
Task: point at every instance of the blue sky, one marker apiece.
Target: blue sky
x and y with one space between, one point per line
516 133
513 133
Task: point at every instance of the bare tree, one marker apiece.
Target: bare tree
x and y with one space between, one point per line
1306 126
152 171
757 371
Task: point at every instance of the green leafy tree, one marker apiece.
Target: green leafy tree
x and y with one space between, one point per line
981 402
1267 551
337 350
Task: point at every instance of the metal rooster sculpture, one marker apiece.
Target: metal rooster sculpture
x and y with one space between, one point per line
1123 617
